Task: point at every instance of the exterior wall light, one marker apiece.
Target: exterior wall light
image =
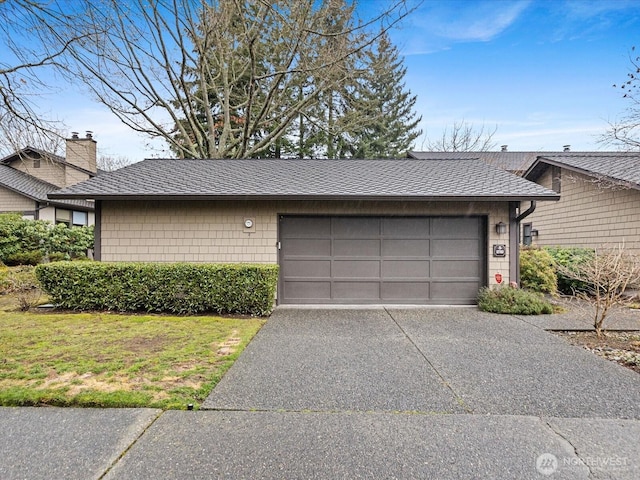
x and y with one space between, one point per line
534 233
501 228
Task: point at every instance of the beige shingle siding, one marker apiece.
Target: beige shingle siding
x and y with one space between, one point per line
11 201
49 171
589 214
210 231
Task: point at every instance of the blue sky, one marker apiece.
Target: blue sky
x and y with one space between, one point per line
540 71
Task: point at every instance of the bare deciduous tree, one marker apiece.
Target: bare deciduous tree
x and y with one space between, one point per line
607 274
213 78
463 137
34 40
625 132
110 164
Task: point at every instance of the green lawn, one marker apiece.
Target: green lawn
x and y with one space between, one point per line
112 360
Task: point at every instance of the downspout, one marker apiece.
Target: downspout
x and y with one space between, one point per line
526 213
515 239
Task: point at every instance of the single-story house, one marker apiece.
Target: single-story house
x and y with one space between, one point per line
342 231
29 175
599 204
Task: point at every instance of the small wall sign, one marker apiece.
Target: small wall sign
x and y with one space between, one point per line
498 278
499 250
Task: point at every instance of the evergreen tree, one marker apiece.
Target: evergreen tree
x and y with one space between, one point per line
381 121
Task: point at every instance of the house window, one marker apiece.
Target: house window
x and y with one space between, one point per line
527 238
36 163
556 179
79 219
71 218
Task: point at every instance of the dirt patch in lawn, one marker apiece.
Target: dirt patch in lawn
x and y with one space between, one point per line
620 347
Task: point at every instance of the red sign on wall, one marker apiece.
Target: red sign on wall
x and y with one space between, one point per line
499 278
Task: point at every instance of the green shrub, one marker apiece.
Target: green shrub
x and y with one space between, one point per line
71 242
511 300
153 287
33 257
58 257
537 272
10 236
20 238
571 259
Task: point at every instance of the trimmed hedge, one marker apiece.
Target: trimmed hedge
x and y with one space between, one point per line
182 288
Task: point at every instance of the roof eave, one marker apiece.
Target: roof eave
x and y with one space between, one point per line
542 163
386 198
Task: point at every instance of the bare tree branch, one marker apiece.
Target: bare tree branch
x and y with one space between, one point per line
463 137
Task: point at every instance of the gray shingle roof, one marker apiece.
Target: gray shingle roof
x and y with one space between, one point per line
617 167
514 161
511 161
33 187
309 179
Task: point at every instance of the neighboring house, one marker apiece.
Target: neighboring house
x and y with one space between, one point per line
28 176
514 162
599 204
343 231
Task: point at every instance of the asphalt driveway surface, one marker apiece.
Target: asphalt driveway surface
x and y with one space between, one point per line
437 360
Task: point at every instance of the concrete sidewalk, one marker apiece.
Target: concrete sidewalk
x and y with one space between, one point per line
370 393
46 443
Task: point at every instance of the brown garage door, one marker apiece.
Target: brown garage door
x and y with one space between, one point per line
416 260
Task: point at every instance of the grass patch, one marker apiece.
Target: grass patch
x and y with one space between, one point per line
111 360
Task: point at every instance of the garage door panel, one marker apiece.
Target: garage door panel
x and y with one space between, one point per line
356 290
458 290
422 260
460 227
355 227
307 247
313 227
405 291
454 248
405 269
456 268
301 291
356 269
356 248
400 228
405 248
307 268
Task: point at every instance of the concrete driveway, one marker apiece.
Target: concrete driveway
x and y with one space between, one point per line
447 393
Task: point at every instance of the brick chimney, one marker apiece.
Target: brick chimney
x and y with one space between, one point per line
80 152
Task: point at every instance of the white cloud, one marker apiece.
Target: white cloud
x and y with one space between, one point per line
436 26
